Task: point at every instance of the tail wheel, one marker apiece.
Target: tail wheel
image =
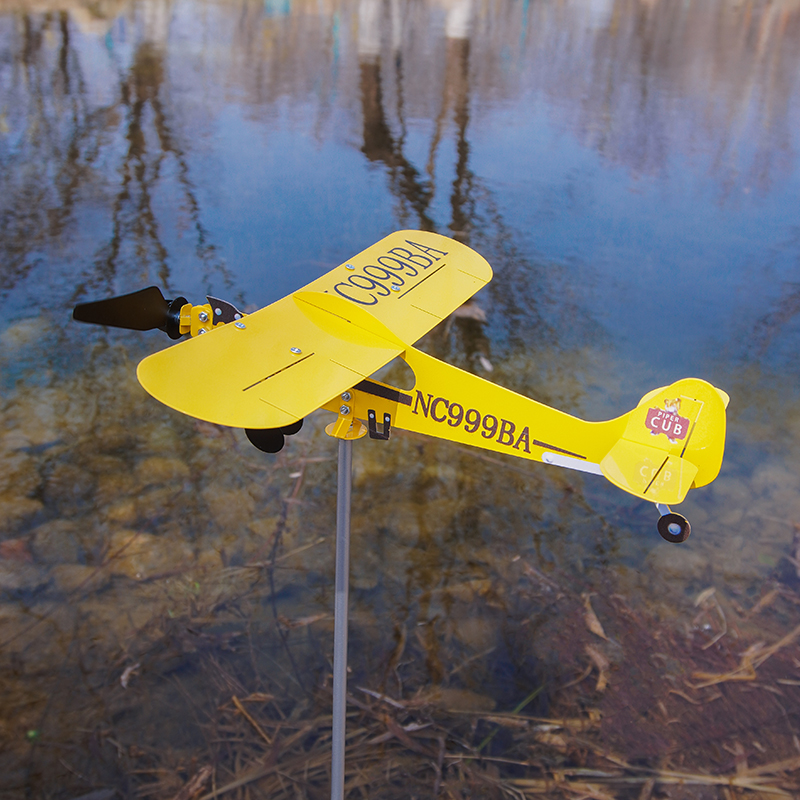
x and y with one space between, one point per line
674 528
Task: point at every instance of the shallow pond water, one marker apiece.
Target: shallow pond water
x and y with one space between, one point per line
628 168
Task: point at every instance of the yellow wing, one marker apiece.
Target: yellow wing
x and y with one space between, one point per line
410 280
279 364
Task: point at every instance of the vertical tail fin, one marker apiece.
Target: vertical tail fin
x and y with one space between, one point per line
673 441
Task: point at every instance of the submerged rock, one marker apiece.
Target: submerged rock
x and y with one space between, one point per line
142 556
19 474
113 479
22 333
17 576
57 542
68 485
676 562
458 699
158 470
14 511
231 509
72 577
477 633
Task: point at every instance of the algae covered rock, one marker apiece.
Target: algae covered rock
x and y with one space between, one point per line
142 555
158 470
231 509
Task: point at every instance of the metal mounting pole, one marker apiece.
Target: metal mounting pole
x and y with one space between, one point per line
345 483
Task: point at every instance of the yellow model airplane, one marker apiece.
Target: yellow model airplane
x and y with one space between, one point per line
319 347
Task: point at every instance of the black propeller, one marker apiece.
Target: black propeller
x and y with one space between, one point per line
271 440
145 310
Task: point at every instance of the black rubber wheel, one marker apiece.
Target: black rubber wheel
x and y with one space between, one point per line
291 430
268 440
674 528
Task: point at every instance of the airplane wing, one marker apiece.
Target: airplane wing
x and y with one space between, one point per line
279 364
269 369
410 280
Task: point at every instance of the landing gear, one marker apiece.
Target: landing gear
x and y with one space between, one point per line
272 440
672 527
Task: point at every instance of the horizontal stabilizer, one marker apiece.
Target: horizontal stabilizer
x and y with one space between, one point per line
648 472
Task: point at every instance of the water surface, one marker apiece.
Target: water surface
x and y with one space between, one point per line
629 169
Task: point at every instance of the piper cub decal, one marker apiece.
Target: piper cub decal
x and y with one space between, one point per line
667 421
318 347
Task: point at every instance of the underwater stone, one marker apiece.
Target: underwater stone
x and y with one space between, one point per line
18 474
776 479
22 333
38 413
738 559
458 699
141 555
159 438
14 511
157 470
111 487
231 509
477 633
56 542
67 485
158 503
365 567
209 559
18 576
71 577
123 513
264 530
678 562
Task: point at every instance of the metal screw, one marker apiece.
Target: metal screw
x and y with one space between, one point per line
218 312
346 396
240 325
295 350
395 287
202 316
349 266
202 330
344 410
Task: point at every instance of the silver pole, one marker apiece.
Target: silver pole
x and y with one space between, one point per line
345 483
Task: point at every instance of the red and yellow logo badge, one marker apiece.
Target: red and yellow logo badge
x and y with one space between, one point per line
668 422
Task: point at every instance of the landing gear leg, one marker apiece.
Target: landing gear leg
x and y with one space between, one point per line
672 527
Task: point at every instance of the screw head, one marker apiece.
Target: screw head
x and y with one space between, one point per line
346 396
240 325
202 330
295 350
203 316
349 266
395 287
218 312
344 410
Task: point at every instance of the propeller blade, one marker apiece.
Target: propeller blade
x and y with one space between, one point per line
145 310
